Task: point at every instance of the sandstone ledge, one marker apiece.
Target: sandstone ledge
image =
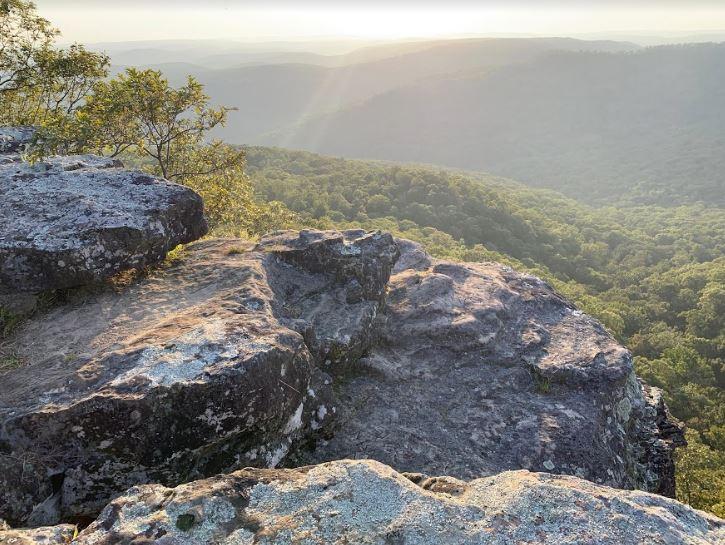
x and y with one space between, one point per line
304 349
69 221
365 502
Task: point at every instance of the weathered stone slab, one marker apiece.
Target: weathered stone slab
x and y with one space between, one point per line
241 355
68 221
481 369
202 367
366 502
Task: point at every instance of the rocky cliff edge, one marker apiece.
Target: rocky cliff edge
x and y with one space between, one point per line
305 348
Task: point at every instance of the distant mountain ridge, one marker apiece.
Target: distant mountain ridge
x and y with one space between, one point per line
220 54
603 122
284 92
646 126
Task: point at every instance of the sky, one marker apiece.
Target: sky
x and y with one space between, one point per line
124 20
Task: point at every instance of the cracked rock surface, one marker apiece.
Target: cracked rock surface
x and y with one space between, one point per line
481 369
211 364
365 502
69 221
313 346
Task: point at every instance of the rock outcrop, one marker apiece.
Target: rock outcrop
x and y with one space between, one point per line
61 534
287 353
481 369
69 221
365 502
14 140
305 348
215 363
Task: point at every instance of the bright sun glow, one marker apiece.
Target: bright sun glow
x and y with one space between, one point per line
160 20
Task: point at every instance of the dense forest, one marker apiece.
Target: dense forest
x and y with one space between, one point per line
636 127
654 276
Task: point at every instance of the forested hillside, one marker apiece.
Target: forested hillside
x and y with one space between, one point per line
654 275
638 127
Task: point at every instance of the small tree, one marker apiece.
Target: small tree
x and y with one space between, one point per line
23 34
37 81
138 111
137 115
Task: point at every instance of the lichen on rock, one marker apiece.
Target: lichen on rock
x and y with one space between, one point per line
208 365
367 502
69 221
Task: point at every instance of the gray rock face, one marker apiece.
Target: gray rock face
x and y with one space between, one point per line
15 139
481 369
361 263
69 221
206 366
365 502
48 535
304 349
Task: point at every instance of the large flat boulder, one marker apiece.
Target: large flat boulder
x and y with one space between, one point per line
481 369
365 502
211 364
303 349
68 221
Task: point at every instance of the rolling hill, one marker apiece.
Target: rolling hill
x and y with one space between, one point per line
273 95
643 126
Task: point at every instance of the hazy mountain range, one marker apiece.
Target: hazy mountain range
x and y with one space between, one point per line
274 96
595 126
598 120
